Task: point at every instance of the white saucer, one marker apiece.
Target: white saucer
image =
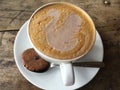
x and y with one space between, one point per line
51 80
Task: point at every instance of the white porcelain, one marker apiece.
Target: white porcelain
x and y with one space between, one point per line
67 74
51 80
65 65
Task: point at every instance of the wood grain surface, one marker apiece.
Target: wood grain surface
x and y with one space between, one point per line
106 16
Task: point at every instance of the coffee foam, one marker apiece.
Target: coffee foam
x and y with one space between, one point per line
61 31
61 36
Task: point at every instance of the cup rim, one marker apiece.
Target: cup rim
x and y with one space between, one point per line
48 58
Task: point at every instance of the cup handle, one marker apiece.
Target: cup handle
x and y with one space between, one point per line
67 73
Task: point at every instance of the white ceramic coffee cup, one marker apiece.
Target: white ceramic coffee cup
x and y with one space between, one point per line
66 67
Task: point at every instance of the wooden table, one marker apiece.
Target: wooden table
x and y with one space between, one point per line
106 16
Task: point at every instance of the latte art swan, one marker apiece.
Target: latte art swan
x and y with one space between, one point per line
62 36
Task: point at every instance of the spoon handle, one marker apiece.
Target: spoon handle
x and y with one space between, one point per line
89 64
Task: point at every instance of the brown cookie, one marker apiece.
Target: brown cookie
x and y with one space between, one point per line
33 62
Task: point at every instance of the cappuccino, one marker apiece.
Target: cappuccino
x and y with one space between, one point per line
62 31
